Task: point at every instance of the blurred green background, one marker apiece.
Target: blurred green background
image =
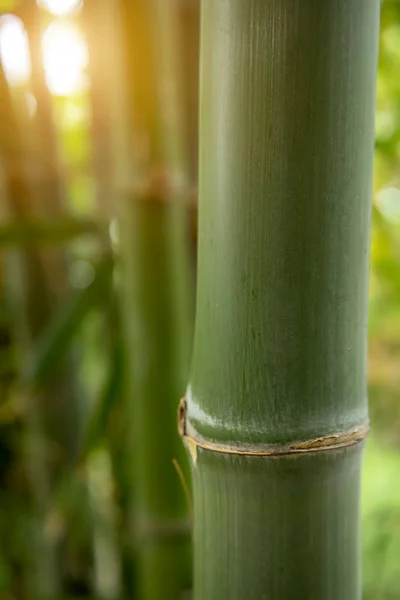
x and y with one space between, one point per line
102 457
381 491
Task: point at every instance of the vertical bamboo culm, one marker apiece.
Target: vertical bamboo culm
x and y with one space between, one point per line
157 299
276 408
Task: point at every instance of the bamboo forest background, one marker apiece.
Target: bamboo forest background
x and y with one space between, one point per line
60 325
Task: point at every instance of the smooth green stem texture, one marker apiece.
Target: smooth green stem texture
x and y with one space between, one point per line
280 528
286 149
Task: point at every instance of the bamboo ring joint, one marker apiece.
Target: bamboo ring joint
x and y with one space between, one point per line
193 440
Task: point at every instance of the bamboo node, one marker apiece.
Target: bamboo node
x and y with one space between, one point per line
189 442
161 185
182 417
194 440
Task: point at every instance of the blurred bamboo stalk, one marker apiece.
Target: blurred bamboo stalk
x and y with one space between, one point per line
149 185
96 22
50 184
153 245
101 25
37 285
189 26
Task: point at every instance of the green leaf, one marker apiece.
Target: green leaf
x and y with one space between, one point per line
111 391
56 339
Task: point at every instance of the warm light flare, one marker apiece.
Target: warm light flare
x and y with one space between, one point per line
61 7
65 58
14 52
65 55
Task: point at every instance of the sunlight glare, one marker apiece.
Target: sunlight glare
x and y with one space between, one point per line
65 58
14 50
61 7
388 201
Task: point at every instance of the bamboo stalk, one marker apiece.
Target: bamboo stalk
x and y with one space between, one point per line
99 35
161 528
157 299
190 36
111 155
50 182
49 198
153 248
276 408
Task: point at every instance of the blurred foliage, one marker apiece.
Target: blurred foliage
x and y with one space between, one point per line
90 319
381 492
385 250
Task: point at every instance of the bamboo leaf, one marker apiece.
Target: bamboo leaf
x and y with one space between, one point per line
112 389
55 340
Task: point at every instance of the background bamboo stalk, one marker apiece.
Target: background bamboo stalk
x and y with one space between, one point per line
112 164
189 14
157 298
50 199
98 19
51 181
286 147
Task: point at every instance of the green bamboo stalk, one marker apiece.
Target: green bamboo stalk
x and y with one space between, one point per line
276 407
99 37
153 247
160 515
190 35
111 164
50 183
157 299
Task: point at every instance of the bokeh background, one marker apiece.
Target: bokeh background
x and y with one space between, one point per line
91 320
